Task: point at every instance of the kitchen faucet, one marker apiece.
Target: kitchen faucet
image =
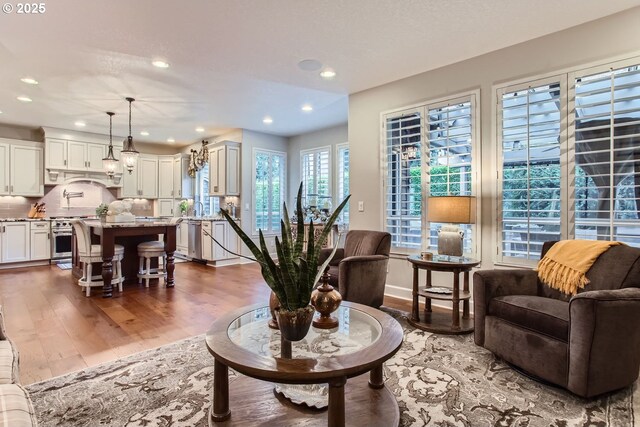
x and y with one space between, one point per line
195 210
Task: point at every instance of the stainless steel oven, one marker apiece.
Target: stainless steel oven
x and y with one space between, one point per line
61 241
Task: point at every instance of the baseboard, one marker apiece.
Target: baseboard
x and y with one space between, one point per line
24 264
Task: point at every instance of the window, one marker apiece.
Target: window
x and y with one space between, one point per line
210 205
343 178
269 177
582 182
531 136
315 168
428 151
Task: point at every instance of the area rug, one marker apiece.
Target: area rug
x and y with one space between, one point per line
438 380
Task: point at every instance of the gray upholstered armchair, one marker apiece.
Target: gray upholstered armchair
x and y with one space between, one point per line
588 344
359 270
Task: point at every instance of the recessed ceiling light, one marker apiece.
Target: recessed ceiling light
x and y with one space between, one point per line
160 63
267 120
0 112
199 129
328 74
29 80
171 140
309 65
80 124
24 99
144 133
307 108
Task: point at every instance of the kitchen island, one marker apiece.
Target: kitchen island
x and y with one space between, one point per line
129 234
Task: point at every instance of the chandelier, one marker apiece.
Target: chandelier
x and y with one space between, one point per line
129 153
198 159
110 163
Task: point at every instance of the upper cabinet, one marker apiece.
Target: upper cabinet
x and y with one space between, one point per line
55 154
165 177
224 169
183 184
21 173
85 156
142 182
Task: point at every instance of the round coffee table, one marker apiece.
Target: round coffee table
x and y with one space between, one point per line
363 341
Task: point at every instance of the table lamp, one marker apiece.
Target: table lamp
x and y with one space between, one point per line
453 210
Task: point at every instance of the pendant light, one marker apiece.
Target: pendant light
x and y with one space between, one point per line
129 154
110 163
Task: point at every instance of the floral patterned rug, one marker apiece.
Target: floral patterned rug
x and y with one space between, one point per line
438 380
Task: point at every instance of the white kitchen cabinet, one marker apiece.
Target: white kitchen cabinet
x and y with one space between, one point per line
14 242
26 171
165 177
143 180
220 234
224 169
183 184
232 241
224 234
40 241
85 156
182 238
165 207
4 173
95 154
207 242
55 154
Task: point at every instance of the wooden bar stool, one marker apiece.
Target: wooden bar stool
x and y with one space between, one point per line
146 251
88 254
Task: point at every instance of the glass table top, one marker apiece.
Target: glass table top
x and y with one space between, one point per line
356 331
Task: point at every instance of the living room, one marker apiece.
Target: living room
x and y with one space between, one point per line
511 108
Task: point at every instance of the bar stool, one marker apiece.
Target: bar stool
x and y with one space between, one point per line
88 254
146 251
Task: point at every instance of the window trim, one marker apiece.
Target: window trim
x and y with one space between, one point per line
423 107
284 193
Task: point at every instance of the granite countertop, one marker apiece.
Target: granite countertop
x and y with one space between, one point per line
23 219
206 218
95 223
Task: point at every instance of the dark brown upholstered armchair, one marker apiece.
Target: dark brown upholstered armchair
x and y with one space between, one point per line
588 344
359 270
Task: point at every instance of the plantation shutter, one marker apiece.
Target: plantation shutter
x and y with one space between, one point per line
316 172
607 155
343 179
530 136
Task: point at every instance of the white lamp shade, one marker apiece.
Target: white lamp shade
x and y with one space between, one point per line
452 209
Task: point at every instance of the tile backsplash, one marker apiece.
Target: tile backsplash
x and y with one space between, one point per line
57 205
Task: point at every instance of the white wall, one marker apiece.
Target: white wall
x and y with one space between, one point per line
321 138
613 37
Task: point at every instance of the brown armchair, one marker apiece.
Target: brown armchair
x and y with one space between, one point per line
359 270
588 343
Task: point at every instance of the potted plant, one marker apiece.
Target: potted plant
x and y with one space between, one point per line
101 211
184 207
294 274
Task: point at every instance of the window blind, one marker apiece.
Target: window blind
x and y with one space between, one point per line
449 141
403 191
607 155
531 171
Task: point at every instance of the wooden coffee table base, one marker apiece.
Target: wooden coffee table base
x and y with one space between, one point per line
440 323
253 403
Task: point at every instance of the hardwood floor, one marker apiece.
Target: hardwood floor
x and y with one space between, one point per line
58 330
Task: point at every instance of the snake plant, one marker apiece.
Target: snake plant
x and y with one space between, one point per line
296 272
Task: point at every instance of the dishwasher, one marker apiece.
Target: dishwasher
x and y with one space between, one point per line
195 239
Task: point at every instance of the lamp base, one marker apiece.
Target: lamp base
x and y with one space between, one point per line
450 240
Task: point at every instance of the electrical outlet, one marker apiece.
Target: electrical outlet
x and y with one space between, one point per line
361 206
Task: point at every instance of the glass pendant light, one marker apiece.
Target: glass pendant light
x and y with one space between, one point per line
129 154
110 163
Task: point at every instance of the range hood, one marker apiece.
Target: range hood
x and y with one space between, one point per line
57 177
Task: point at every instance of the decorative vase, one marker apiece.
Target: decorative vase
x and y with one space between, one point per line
274 303
294 325
325 299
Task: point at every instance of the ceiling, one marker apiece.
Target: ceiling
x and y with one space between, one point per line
234 62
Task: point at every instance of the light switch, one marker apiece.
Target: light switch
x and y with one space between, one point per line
360 206
246 206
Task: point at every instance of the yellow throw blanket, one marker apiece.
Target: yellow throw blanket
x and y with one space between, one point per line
564 265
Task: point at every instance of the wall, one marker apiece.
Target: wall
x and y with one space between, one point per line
613 37
21 132
321 138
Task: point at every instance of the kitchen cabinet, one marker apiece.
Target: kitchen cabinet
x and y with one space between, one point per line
142 182
165 207
55 153
224 169
4 173
14 242
182 238
165 177
40 241
25 171
85 156
183 184
224 234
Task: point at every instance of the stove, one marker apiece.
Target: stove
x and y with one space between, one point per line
61 231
